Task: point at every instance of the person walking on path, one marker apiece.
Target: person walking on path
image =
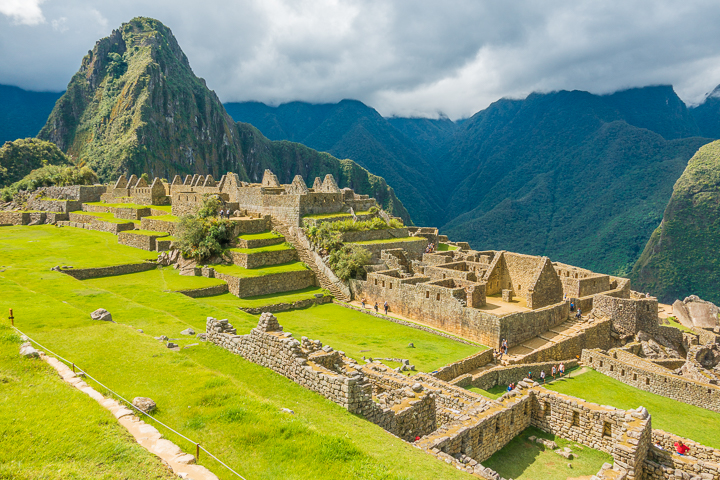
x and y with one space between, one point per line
562 369
387 307
504 345
681 448
376 307
572 306
542 376
553 372
362 302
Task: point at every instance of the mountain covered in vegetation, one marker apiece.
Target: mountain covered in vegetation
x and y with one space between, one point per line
707 114
581 178
20 157
136 106
22 112
683 254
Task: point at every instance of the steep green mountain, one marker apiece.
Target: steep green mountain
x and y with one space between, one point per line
707 114
20 157
578 177
683 254
350 129
135 106
22 112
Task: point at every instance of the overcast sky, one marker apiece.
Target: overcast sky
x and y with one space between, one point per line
407 58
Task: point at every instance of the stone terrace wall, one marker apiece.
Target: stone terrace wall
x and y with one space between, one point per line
144 242
261 259
414 249
665 464
505 375
632 370
80 193
319 299
85 273
158 225
205 292
53 205
14 218
521 326
366 235
461 367
266 284
329 373
626 435
629 315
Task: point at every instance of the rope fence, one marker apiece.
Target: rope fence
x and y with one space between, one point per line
198 447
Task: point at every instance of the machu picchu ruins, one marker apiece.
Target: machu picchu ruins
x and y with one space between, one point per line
532 313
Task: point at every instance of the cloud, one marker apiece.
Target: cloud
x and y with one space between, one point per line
24 12
405 57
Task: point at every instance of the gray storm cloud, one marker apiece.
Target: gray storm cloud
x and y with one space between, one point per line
409 58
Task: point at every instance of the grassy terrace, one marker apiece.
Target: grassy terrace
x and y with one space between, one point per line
80 439
444 247
230 302
269 248
237 271
390 240
147 233
164 208
108 217
522 459
231 406
688 421
259 236
334 215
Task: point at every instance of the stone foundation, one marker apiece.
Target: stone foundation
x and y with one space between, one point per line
142 241
85 273
262 259
267 284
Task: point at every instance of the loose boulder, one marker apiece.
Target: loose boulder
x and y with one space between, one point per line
145 404
27 351
101 314
188 331
694 312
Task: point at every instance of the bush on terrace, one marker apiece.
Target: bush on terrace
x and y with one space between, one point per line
202 236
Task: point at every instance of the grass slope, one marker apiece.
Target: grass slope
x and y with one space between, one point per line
688 421
52 431
231 406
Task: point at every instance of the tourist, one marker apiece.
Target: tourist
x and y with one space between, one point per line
658 446
376 307
221 213
529 375
387 307
578 314
562 369
504 345
362 302
417 438
554 371
572 306
510 387
542 376
681 448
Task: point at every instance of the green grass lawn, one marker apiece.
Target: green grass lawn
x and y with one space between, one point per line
108 217
688 421
390 240
53 431
675 323
259 236
228 300
522 459
335 215
238 271
270 248
148 233
164 279
231 406
494 393
444 247
359 334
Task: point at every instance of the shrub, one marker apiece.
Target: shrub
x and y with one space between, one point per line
348 261
201 238
211 205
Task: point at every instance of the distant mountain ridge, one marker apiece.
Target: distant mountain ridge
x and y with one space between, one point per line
22 112
579 177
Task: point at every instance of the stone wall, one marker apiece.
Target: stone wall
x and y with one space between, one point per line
545 289
53 205
205 292
96 223
697 450
142 241
267 284
466 365
261 259
318 299
507 374
255 225
630 315
414 249
633 370
85 273
158 225
80 193
521 326
14 218
665 464
366 235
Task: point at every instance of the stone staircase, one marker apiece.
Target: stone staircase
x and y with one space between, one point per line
557 334
306 256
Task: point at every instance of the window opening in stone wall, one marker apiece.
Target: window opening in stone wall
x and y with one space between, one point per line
480 438
383 284
634 376
438 297
601 363
390 285
612 368
427 294
444 276
497 426
607 429
576 419
527 408
622 373
591 359
547 409
647 381
376 282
